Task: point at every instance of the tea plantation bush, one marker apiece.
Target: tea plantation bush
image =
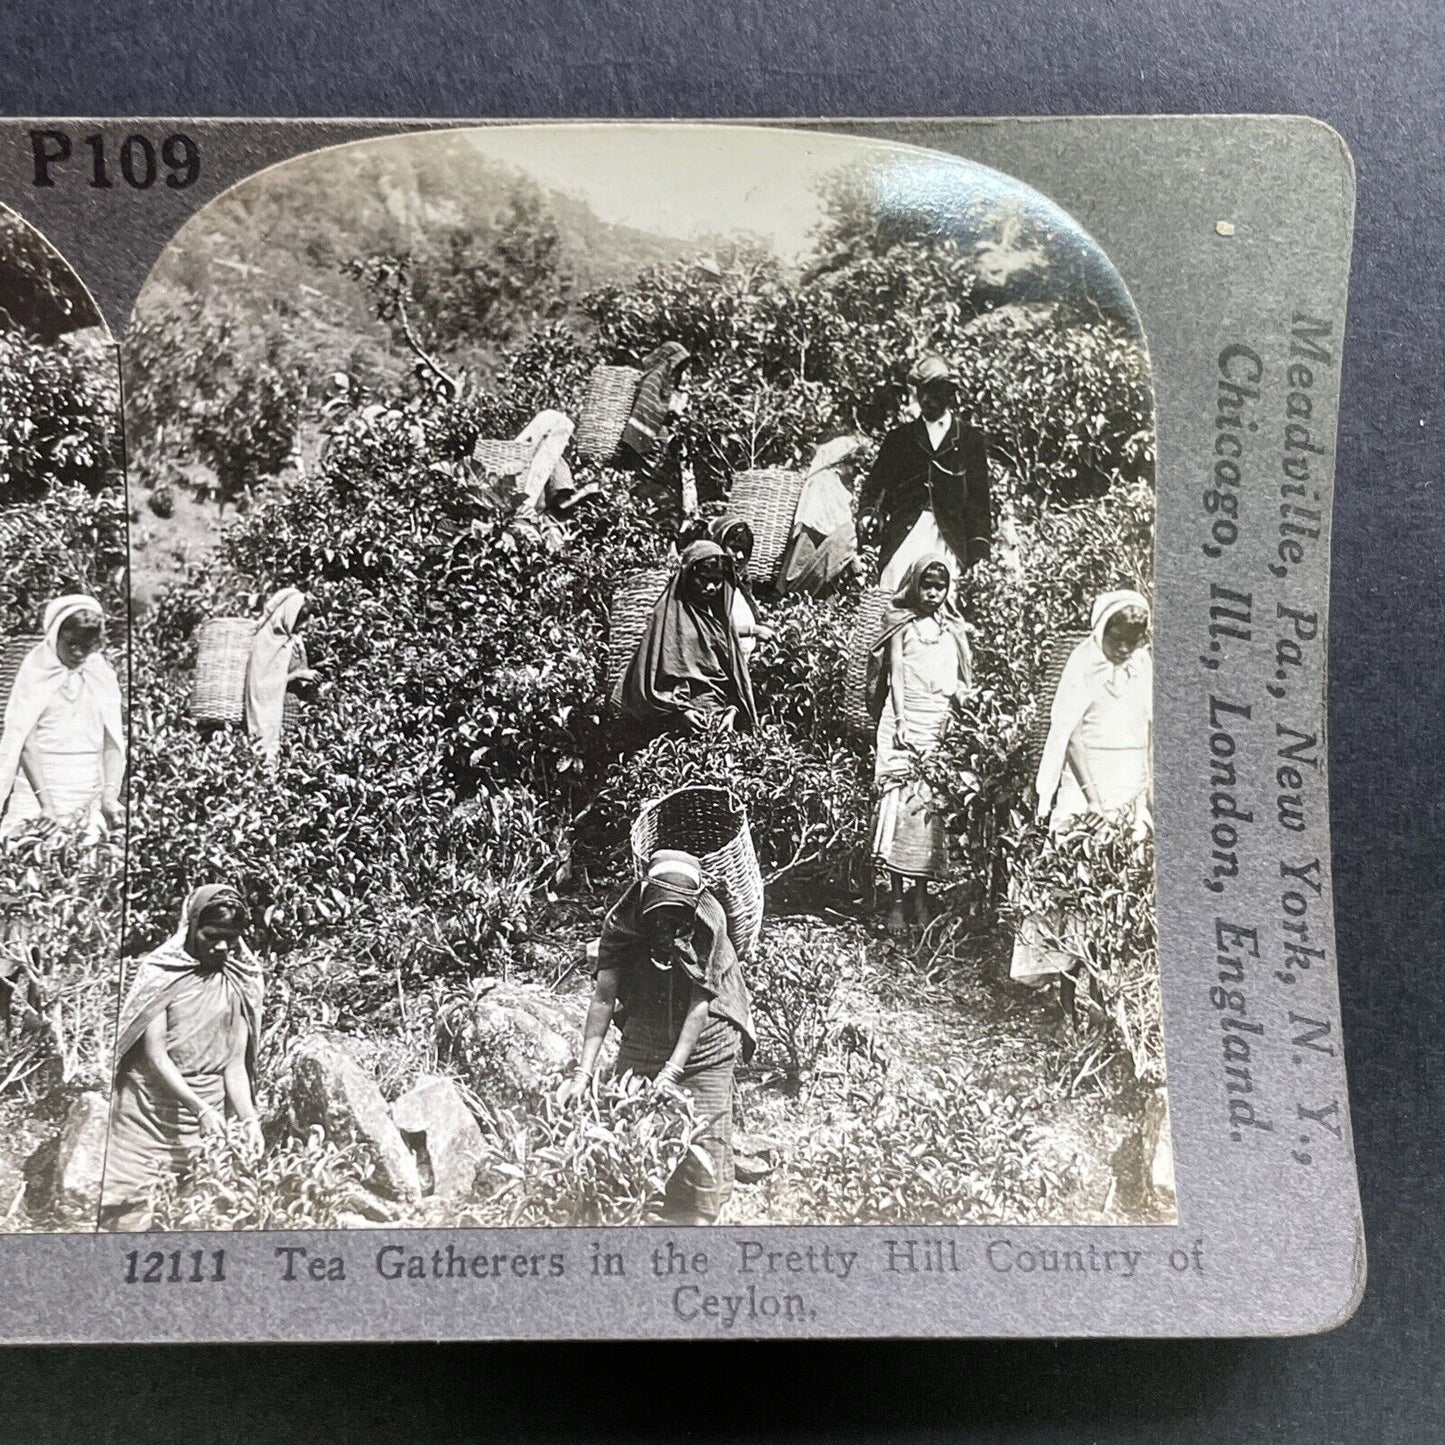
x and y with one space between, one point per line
458 759
950 1150
59 944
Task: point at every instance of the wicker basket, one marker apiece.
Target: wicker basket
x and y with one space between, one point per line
1055 661
502 458
867 628
11 656
632 606
293 711
223 648
606 406
710 824
768 502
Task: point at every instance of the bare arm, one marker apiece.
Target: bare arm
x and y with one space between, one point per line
1079 765
870 494
1149 757
599 1016
113 764
691 1031
32 764
897 683
171 1078
237 1077
236 1080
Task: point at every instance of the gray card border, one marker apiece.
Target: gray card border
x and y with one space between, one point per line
1270 1238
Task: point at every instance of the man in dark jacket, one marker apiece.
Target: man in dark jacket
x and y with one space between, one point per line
929 483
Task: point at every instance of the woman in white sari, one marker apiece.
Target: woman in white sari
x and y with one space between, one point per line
278 658
1097 755
62 751
1096 758
824 543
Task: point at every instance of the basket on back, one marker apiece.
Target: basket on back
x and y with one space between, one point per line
1055 660
502 458
867 629
767 500
632 605
710 824
11 656
606 406
293 710
223 650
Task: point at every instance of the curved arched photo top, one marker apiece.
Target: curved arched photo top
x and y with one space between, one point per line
64 609
446 625
60 403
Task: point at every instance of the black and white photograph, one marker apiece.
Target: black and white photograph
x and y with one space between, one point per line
642 706
63 624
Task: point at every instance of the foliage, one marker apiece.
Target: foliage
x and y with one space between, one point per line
245 431
295 1183
600 1159
1094 887
59 418
59 942
1066 406
807 806
358 828
793 979
214 385
798 677
952 1150
469 285
70 541
39 293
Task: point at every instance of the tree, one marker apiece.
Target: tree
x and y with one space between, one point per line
469 287
59 414
39 293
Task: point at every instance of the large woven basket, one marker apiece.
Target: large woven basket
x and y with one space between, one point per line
293 711
606 406
502 458
710 824
632 606
867 628
767 501
1051 674
223 648
11 656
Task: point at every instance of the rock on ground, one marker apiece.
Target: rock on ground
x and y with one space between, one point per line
1159 1148
755 1156
516 1038
330 1089
64 1175
437 1124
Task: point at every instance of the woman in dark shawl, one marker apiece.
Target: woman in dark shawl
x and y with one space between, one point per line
689 667
668 976
735 537
185 1054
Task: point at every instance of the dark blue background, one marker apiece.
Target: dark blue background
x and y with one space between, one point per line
1376 71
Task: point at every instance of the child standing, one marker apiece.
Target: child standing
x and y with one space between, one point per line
919 667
